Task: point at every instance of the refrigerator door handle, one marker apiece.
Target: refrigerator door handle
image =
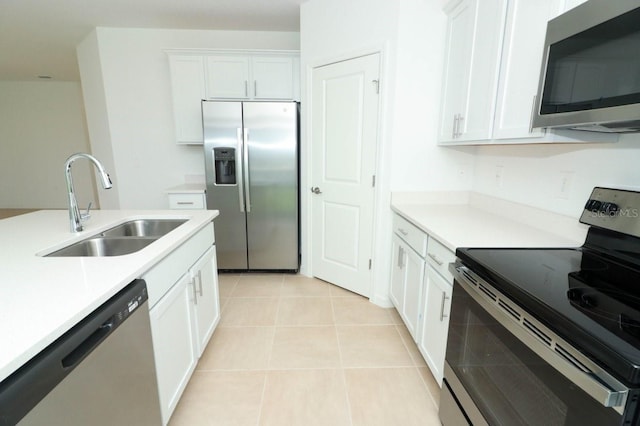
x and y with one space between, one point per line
245 165
239 152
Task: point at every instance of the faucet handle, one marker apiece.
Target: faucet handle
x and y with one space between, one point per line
87 214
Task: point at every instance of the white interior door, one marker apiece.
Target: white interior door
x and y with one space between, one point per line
344 139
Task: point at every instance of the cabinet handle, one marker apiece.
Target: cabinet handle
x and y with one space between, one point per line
246 89
185 203
444 298
200 282
403 232
195 293
455 125
255 88
459 126
435 259
400 257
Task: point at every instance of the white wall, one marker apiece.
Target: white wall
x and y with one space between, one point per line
133 115
41 124
410 35
534 174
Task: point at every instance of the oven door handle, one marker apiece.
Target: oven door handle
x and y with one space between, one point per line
576 367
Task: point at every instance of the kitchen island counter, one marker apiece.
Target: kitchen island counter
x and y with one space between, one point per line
43 297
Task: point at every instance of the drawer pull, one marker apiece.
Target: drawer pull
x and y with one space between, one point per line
403 232
185 203
435 259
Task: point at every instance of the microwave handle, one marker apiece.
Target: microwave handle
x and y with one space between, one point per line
533 111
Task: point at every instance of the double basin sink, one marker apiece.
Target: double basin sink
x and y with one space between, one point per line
126 238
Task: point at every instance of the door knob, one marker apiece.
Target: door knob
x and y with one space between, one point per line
316 190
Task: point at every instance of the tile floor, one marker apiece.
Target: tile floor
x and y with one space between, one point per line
292 350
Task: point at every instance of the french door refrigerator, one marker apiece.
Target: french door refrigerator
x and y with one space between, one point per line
251 166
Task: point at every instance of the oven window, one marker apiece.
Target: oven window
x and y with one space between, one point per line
508 382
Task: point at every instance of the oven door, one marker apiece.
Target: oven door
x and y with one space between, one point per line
496 373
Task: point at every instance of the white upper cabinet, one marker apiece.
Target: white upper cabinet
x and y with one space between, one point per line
473 43
492 69
227 75
522 47
187 90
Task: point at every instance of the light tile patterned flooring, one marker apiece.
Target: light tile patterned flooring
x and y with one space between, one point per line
291 350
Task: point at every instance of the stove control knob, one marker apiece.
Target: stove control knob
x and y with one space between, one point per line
610 208
593 205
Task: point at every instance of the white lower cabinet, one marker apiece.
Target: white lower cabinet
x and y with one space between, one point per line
206 303
420 289
184 311
432 341
173 344
407 284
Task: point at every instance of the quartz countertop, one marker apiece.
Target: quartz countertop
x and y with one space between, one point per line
187 188
462 219
43 297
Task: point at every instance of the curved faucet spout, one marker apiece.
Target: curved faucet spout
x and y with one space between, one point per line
75 218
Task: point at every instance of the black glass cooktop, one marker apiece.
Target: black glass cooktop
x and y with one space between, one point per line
586 296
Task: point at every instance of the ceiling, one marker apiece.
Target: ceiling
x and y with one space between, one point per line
38 37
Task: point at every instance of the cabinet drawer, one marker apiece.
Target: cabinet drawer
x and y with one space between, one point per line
440 257
416 238
187 201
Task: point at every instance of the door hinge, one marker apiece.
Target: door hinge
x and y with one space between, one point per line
369 263
377 83
373 181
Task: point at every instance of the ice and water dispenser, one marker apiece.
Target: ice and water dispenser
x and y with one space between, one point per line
225 165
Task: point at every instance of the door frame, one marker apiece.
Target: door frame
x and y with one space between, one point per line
381 242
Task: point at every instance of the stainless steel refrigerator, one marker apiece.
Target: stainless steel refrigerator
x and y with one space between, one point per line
251 166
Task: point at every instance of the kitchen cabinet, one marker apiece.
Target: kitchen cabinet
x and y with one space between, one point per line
409 248
492 68
227 74
250 77
187 91
206 303
187 197
473 37
432 341
420 289
173 344
184 311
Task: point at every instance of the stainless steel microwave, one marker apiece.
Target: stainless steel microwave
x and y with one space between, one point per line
590 78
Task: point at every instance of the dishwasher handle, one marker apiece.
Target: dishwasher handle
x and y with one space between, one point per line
88 344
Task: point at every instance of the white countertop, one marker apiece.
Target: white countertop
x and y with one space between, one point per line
461 219
187 188
43 297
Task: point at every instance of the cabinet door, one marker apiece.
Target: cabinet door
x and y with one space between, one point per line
412 307
272 77
398 275
227 77
473 53
433 336
204 279
173 345
457 65
520 67
188 90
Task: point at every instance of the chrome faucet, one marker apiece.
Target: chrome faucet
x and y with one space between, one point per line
75 217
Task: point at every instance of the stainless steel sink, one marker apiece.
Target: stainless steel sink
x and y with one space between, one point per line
105 246
144 228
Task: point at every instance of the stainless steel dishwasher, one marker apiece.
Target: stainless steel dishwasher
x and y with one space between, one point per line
100 372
